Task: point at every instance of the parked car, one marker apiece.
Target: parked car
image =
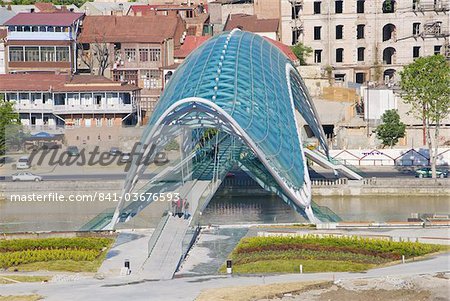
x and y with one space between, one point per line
161 158
115 151
23 163
26 176
73 151
125 157
425 172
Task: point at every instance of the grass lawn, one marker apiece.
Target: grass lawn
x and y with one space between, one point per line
8 279
293 266
64 254
257 255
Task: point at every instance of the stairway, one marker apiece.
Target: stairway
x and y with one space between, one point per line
347 170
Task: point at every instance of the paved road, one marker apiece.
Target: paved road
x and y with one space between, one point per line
87 176
131 288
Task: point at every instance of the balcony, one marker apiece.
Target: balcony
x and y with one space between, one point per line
27 107
73 109
93 108
39 36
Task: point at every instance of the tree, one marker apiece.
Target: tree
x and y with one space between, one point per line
9 121
425 85
94 55
391 129
301 52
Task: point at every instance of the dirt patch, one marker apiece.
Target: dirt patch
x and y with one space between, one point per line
258 292
375 295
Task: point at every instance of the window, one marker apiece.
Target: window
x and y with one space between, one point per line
62 54
47 54
416 28
437 49
155 54
360 31
415 4
318 56
42 28
339 31
416 51
295 35
34 28
32 54
339 55
338 6
339 77
361 51
98 123
16 54
360 6
109 122
130 54
317 30
388 6
360 77
152 79
143 55
317 7
295 10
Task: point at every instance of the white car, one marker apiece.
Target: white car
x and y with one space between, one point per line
26 176
23 163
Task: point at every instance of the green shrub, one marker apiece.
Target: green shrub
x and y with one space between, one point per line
78 243
10 259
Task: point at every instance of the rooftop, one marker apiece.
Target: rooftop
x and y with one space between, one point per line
50 19
144 29
60 83
251 23
190 44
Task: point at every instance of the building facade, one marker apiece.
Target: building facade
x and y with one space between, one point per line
366 41
42 42
136 49
50 101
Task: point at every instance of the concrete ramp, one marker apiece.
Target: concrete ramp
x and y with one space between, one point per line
333 164
166 243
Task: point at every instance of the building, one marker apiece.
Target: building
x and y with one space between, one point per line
38 42
136 49
196 17
105 8
47 101
371 40
219 11
263 27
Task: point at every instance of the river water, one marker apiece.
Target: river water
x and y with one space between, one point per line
226 208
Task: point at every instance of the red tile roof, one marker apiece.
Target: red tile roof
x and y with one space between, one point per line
45 7
251 23
60 83
190 44
51 19
132 29
284 48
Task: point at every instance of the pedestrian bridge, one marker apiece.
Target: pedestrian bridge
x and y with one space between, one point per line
233 103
